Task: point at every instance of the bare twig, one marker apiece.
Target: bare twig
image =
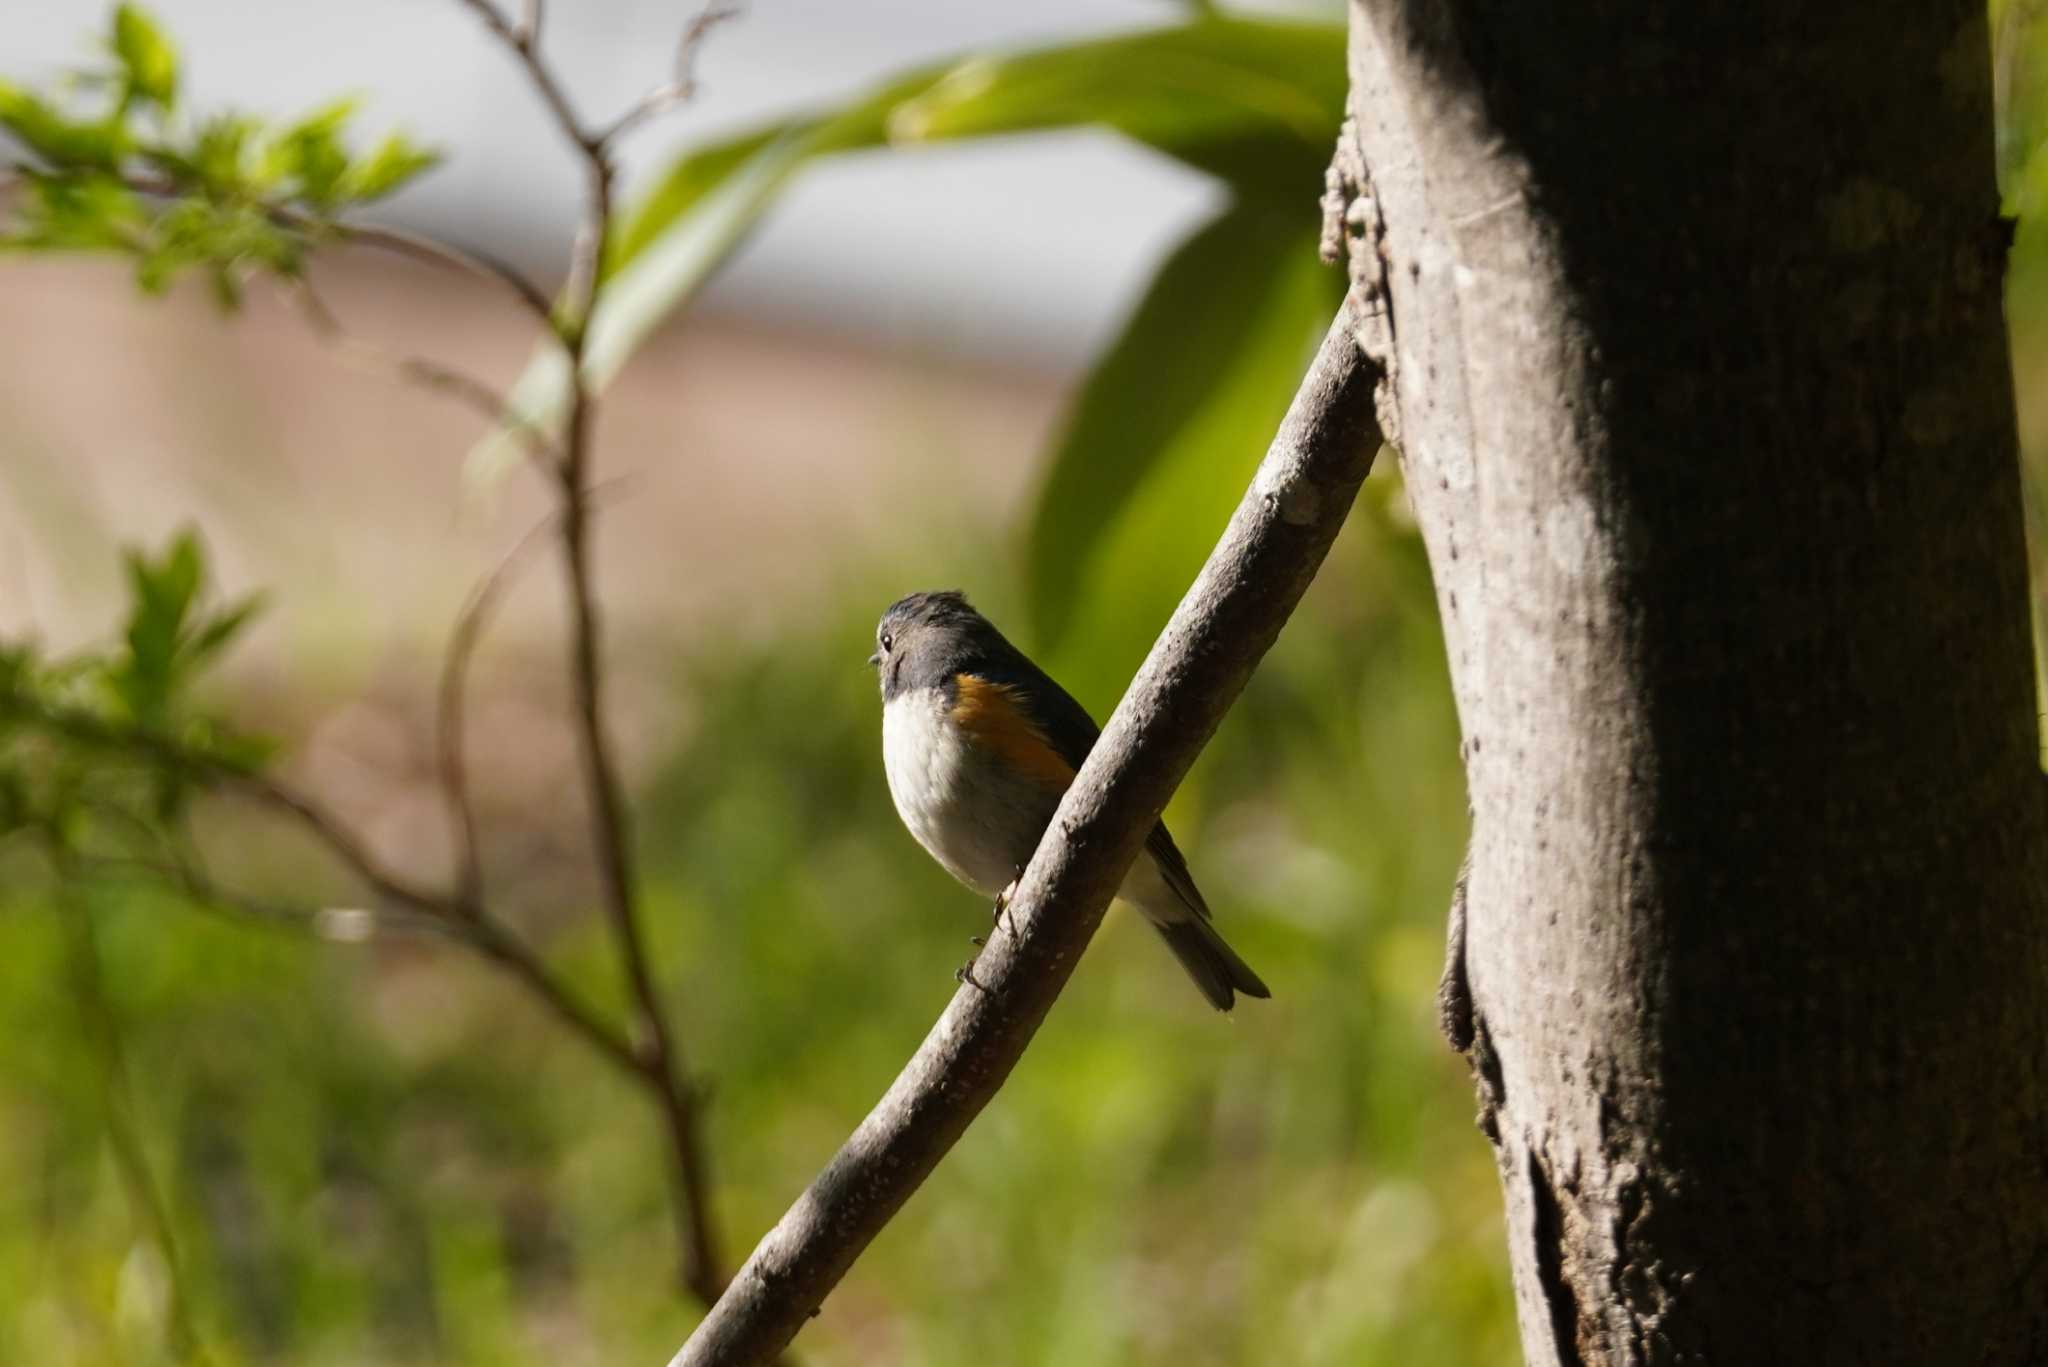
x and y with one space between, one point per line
467 259
86 729
681 87
702 1270
458 385
1245 592
524 41
448 729
423 910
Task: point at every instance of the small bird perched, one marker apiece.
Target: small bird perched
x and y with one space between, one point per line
980 745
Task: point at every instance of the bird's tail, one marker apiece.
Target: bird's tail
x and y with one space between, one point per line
1213 964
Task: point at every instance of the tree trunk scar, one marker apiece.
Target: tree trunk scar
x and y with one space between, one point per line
1460 1020
1489 1080
1546 1221
1454 990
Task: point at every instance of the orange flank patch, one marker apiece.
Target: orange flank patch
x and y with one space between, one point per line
993 716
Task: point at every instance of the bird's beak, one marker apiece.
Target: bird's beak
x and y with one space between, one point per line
876 658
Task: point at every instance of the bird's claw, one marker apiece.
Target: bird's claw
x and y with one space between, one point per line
1003 902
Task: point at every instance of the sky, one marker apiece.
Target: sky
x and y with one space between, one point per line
1028 249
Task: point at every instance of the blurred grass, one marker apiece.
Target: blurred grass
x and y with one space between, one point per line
381 1154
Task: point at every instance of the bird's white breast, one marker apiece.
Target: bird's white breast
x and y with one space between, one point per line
972 815
962 809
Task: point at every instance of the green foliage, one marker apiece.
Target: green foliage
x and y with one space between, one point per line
149 64
103 745
170 639
123 168
392 1158
388 1155
1255 102
1166 431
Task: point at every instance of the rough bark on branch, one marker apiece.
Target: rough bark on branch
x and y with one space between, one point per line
1228 620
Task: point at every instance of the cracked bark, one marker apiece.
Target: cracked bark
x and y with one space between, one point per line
1692 318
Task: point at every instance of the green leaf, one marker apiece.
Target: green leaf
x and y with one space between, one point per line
308 156
685 186
219 158
162 594
1206 92
245 752
63 143
1255 101
147 58
223 626
228 238
1165 434
397 160
76 212
724 202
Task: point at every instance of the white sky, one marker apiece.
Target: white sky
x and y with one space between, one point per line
1029 249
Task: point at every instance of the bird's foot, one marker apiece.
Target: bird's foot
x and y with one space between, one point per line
965 974
1001 917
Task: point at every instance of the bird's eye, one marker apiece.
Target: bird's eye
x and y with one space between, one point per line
887 640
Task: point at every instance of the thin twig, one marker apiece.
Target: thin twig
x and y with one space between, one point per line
195 886
1245 593
448 726
480 933
419 911
431 375
86 729
525 45
431 911
702 1269
448 729
467 259
681 87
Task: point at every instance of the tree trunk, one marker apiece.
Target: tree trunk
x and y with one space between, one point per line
1701 385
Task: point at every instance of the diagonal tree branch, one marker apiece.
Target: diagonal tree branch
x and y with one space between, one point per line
1281 531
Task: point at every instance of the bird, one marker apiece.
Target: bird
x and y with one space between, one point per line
979 745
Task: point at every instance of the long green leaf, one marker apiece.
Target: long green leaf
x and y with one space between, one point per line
1254 101
1159 444
1208 92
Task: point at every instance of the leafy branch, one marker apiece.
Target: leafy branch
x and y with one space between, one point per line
120 167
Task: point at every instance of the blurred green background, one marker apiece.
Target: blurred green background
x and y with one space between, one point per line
380 1152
